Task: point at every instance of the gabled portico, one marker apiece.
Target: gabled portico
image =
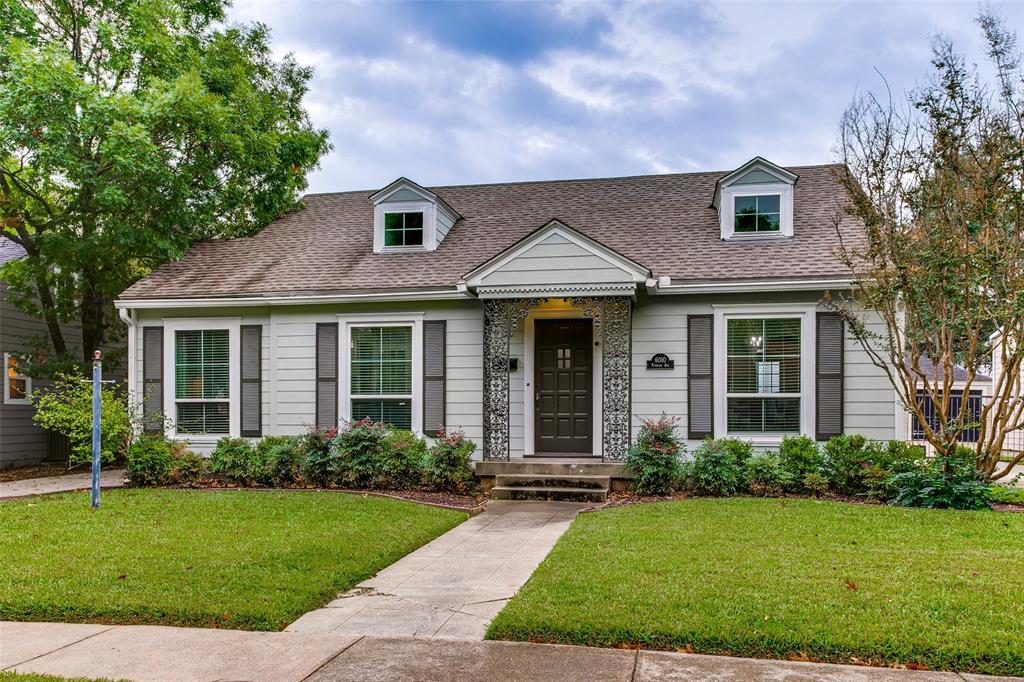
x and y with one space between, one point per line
576 375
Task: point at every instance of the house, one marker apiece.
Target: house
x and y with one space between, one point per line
542 318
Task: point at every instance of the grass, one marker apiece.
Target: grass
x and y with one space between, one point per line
236 559
797 579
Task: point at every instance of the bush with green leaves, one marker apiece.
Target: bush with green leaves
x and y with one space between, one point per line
316 462
654 461
767 476
718 467
845 459
188 467
816 483
448 464
358 452
799 456
401 463
276 461
66 407
150 461
945 482
235 460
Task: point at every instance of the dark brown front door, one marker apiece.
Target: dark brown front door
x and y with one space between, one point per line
562 384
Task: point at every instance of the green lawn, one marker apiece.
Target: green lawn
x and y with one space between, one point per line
236 559
779 578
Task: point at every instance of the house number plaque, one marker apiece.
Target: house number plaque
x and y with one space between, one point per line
660 361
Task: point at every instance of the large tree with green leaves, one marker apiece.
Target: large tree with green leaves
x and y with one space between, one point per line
129 129
938 183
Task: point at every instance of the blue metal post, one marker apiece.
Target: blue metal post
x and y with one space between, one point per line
97 398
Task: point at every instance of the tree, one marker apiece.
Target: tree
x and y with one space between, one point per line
129 129
936 182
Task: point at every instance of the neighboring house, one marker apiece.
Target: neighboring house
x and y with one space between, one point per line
542 318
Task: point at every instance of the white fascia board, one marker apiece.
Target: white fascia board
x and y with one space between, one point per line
556 290
446 294
755 286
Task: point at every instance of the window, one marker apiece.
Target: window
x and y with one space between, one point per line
763 375
202 381
754 214
403 229
931 413
381 374
17 386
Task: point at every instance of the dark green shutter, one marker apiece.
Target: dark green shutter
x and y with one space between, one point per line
829 376
327 375
153 379
700 377
433 376
251 398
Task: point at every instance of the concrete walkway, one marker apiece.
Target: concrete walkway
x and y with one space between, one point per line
109 478
452 587
162 654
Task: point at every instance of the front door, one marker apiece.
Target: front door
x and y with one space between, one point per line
563 386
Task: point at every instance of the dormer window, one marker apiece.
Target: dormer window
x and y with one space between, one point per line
755 201
408 217
403 229
757 213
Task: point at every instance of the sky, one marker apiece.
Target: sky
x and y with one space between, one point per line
476 92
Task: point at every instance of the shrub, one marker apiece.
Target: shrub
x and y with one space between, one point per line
717 467
150 461
276 461
448 464
799 456
66 407
816 483
358 452
654 460
235 459
316 462
960 486
844 462
766 475
187 467
401 463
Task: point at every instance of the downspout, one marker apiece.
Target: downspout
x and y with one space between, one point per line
134 408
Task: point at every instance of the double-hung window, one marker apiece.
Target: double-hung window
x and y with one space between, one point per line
380 374
17 386
202 381
763 382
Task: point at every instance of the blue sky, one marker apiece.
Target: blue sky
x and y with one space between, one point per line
468 92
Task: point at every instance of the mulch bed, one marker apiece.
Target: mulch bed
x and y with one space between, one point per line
623 499
40 471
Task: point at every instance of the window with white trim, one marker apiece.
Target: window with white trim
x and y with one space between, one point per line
403 229
763 375
202 381
380 374
756 214
17 386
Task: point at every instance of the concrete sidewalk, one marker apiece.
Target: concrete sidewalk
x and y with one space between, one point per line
109 478
452 587
164 654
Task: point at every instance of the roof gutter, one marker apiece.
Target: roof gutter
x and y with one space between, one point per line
665 286
446 294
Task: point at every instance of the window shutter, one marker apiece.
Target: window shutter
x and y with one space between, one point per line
251 397
433 376
327 375
700 334
153 379
829 377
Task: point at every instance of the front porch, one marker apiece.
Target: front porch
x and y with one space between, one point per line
579 479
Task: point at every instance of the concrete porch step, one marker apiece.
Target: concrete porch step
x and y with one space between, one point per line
561 494
551 468
553 481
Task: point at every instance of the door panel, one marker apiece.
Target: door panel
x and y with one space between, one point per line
563 384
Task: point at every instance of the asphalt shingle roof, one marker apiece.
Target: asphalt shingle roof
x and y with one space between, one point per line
663 222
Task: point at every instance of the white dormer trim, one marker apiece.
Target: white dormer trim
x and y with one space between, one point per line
728 188
429 204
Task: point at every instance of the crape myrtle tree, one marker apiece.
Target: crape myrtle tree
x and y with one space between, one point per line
129 129
936 181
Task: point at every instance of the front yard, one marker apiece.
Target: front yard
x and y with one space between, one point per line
235 559
787 579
